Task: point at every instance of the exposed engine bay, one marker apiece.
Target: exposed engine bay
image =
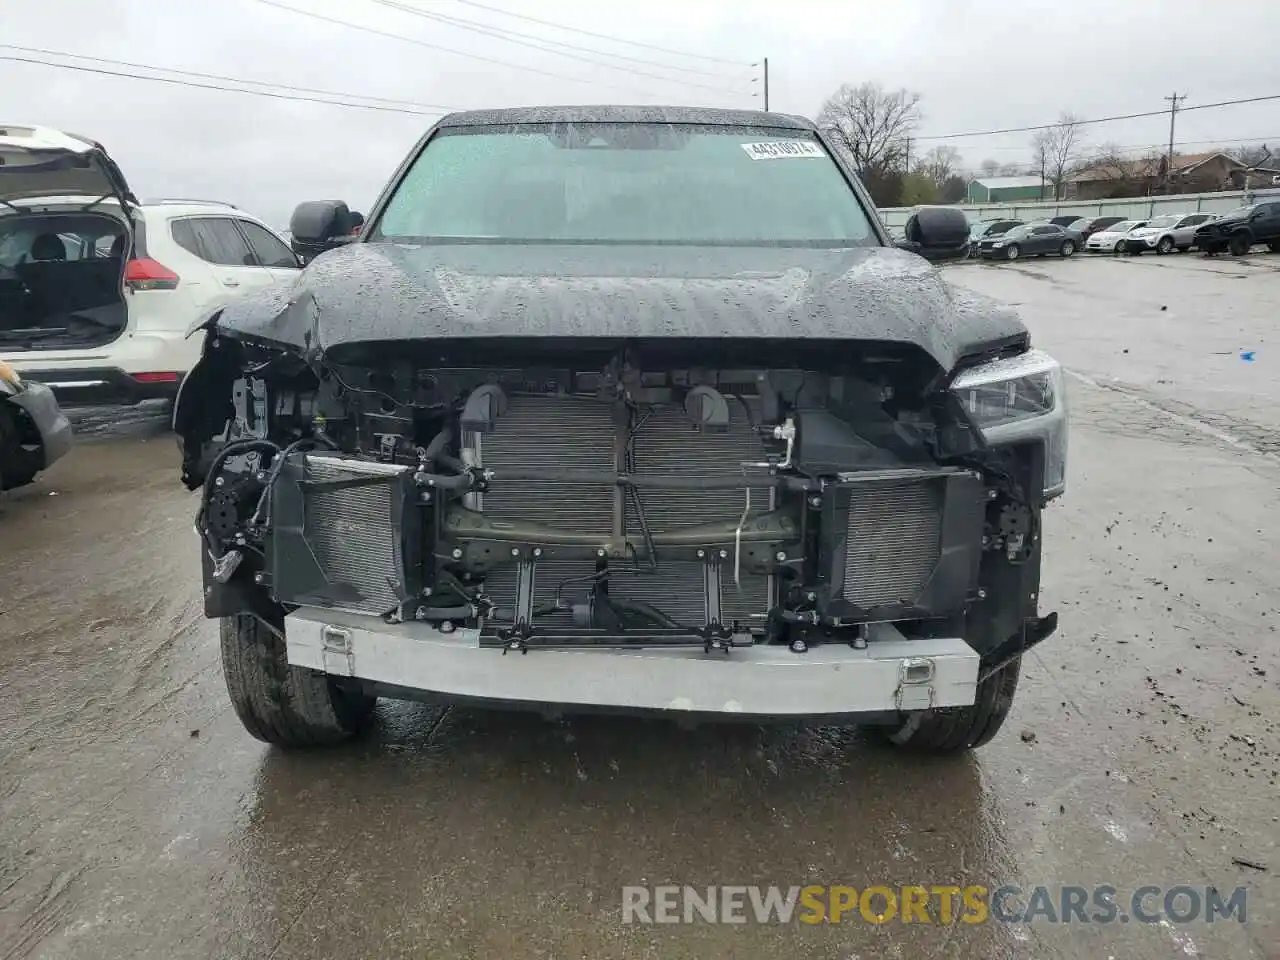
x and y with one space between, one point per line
603 493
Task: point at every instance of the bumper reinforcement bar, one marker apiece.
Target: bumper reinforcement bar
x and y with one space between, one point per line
891 673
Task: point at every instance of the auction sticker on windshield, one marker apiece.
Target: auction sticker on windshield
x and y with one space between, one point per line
782 149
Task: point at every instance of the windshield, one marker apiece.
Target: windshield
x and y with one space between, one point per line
1239 212
1124 226
625 183
1160 222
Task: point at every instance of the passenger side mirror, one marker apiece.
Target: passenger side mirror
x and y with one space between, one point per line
937 233
320 225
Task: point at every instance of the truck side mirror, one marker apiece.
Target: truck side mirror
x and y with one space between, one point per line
320 225
937 233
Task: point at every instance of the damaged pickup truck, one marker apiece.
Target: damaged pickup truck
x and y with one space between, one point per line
624 408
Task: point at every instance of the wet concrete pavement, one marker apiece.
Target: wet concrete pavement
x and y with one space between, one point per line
138 820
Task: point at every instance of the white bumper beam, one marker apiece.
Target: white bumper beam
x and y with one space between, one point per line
892 673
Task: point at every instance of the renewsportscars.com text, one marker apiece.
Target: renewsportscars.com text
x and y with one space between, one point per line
937 903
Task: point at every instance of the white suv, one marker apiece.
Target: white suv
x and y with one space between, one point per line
98 291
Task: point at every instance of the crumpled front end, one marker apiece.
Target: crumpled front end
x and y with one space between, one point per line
648 524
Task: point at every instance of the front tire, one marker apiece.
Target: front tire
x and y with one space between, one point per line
1012 251
1068 248
1239 244
279 703
1165 246
956 729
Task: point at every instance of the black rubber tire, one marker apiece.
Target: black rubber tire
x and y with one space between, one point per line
18 467
955 729
1239 244
1165 246
281 704
1012 251
1068 248
1119 248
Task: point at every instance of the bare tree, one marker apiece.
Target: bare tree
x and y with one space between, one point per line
1109 173
953 190
939 164
871 124
989 167
1010 170
1251 155
1054 148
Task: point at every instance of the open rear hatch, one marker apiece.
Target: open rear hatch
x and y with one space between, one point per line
66 233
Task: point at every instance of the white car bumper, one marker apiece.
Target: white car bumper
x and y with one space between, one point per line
131 353
892 673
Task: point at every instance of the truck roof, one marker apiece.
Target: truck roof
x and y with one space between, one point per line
626 114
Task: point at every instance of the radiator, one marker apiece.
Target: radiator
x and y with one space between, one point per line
551 433
548 433
341 548
894 539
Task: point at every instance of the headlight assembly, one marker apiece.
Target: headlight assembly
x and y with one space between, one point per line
1021 399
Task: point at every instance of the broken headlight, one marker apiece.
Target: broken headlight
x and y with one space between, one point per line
1021 399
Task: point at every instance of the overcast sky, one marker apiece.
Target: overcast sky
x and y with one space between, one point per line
978 65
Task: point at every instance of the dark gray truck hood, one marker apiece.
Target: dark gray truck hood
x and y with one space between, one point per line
379 291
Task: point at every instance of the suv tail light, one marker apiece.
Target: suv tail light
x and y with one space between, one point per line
146 274
163 376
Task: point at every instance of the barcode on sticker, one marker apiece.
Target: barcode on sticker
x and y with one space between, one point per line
782 149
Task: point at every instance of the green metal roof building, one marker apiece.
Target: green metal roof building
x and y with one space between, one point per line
1006 189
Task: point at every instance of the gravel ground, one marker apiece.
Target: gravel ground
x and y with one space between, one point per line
138 820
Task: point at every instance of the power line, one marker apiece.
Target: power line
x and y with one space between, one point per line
603 36
1211 141
211 86
435 46
467 24
539 44
1081 123
217 76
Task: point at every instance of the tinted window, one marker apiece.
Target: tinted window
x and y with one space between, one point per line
268 249
1046 230
212 239
626 183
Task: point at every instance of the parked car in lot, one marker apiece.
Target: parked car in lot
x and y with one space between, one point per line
1064 221
1110 239
1088 226
1240 229
555 434
1031 239
988 229
33 430
100 290
1165 234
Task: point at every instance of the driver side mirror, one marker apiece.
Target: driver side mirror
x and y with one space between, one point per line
937 233
320 225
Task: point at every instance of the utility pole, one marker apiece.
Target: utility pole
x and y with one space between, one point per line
766 84
1173 115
